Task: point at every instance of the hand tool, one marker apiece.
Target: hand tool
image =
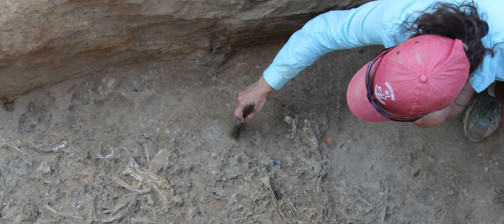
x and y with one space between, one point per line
238 126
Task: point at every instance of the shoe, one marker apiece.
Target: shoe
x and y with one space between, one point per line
482 117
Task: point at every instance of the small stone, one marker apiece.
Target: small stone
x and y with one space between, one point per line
328 139
44 168
160 160
288 119
58 146
309 137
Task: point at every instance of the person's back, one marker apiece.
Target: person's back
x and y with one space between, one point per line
391 23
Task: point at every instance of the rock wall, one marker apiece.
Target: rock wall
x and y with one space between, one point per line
46 41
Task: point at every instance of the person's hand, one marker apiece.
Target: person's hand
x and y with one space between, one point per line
258 93
458 105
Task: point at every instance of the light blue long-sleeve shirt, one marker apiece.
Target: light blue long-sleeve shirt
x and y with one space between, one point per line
379 23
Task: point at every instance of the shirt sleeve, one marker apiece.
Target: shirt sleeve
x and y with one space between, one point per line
334 30
490 70
492 67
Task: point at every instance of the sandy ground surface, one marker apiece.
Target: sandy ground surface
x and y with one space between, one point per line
148 143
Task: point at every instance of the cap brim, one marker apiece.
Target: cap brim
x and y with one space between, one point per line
357 97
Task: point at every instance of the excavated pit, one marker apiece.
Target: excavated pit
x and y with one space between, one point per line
147 143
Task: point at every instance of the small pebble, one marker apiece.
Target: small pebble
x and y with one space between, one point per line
44 168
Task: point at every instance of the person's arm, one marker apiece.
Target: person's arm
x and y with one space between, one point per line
334 30
453 109
330 31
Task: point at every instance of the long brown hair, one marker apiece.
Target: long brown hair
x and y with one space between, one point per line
456 22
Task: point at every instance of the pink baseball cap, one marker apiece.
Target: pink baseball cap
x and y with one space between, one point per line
421 75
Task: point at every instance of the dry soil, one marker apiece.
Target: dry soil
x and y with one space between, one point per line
147 143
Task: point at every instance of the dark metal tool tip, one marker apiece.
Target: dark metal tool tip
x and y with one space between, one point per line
238 126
